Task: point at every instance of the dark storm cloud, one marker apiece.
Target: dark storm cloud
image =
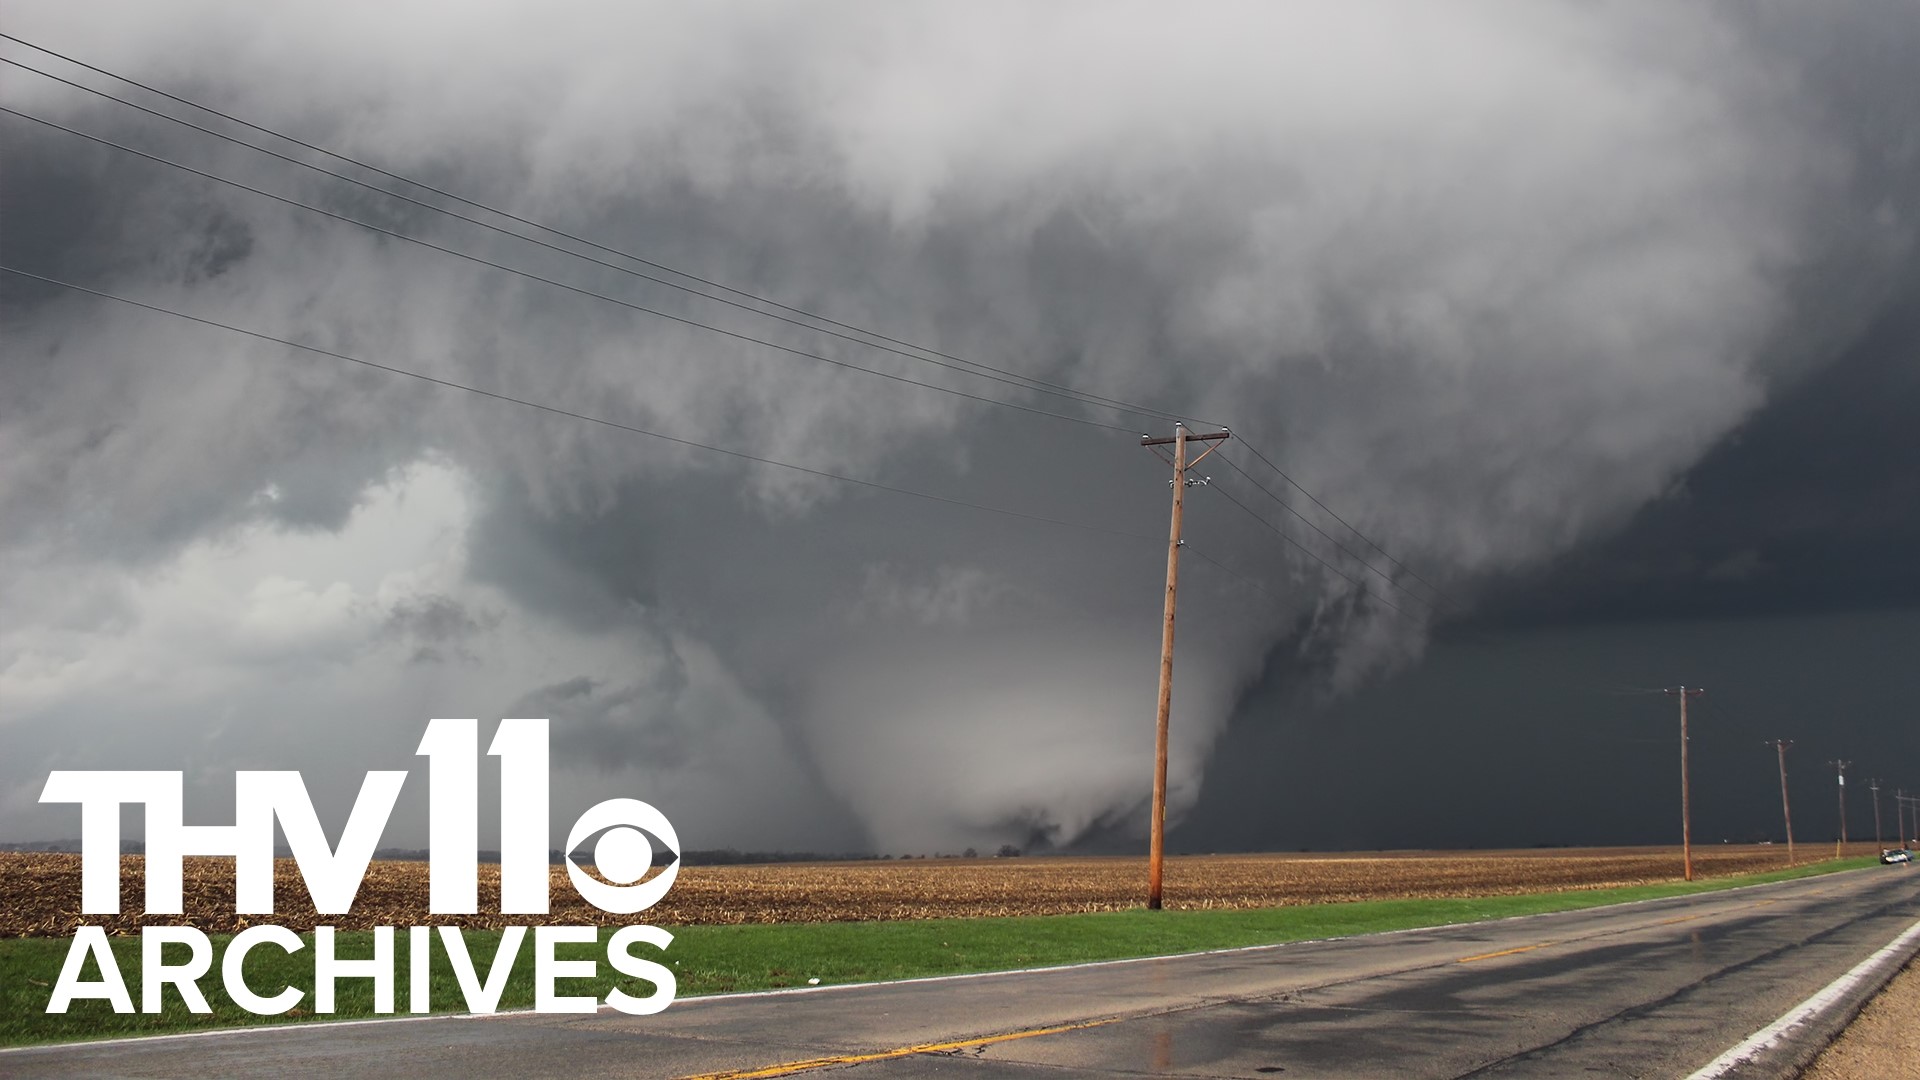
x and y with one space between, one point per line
1529 722
1558 735
437 626
1489 278
607 727
1813 506
143 436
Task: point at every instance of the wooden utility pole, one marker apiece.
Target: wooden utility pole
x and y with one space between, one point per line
1840 768
1874 786
1686 796
1786 808
1157 828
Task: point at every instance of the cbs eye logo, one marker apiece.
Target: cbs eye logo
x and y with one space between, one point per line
622 854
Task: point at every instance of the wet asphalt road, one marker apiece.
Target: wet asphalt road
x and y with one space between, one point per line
1653 989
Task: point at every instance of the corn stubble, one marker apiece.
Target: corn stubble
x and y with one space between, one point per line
40 892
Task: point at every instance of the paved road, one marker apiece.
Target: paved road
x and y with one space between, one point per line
1651 989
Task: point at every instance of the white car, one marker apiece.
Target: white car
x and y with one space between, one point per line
1894 855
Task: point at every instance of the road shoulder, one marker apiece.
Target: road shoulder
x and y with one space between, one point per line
1884 1040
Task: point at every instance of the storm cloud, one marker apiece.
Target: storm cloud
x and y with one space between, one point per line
1490 279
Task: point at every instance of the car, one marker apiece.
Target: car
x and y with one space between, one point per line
1896 855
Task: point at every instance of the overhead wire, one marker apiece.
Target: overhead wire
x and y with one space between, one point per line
1358 584
964 367
557 410
1250 580
1350 528
880 342
689 322
1349 552
581 290
827 326
706 326
1623 690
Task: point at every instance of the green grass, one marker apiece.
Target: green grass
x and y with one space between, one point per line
725 959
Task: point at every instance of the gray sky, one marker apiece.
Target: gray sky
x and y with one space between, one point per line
1597 317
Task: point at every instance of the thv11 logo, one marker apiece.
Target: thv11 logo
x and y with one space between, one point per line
334 875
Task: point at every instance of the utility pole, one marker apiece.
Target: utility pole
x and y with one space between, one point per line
1686 797
1157 828
1874 786
1786 808
1840 768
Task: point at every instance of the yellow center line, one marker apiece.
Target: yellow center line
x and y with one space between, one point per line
788 1068
1505 952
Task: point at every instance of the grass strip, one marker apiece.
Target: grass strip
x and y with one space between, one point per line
729 959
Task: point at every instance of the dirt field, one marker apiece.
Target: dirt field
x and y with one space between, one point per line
1883 1042
40 893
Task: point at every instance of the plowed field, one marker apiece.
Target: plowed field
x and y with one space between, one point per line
40 893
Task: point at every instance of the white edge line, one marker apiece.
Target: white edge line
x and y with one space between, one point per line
710 999
1771 1035
786 991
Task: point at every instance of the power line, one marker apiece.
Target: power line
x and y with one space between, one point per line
1388 578
880 341
1250 580
1363 536
1229 571
641 308
1013 379
1625 690
571 414
691 323
1025 381
1315 556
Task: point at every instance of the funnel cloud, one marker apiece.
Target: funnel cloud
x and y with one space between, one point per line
1496 282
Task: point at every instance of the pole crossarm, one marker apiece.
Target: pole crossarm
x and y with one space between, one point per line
1218 436
1215 438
